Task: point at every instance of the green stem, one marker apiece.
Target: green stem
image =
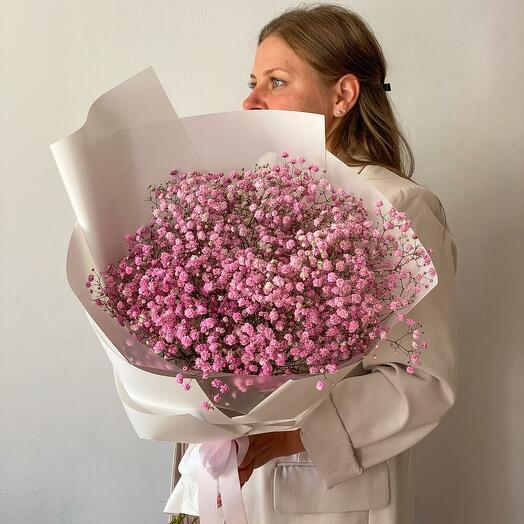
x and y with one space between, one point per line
179 518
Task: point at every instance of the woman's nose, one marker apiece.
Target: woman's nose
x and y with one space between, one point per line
254 101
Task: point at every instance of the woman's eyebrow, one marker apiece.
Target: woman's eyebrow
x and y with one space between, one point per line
270 71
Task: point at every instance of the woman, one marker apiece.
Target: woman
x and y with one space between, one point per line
350 461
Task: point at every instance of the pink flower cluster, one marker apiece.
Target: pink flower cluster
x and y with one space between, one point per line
262 272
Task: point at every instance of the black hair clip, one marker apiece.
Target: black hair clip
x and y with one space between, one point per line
387 87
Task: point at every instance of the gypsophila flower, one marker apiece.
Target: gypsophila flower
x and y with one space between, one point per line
263 272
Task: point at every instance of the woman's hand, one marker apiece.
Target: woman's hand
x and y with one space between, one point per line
265 447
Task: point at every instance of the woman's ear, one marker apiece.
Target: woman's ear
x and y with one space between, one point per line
346 91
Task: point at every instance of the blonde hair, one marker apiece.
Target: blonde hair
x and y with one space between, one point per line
336 41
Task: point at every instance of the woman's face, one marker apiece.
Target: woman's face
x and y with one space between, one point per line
282 80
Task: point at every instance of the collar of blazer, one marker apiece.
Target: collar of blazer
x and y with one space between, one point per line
385 180
371 170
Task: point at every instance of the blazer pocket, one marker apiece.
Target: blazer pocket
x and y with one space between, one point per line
297 488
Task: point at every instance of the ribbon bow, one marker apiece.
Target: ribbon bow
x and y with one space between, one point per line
219 472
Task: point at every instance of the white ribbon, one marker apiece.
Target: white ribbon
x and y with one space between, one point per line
219 473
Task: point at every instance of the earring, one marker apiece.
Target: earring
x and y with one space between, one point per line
340 112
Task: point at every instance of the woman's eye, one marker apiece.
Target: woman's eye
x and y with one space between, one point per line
252 84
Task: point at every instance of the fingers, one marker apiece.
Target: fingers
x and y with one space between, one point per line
246 472
250 456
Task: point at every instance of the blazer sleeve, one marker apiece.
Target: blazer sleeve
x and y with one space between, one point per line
374 416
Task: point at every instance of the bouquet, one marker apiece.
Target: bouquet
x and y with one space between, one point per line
246 293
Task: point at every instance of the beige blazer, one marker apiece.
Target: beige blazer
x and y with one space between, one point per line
356 467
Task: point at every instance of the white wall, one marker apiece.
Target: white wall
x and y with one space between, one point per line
67 451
